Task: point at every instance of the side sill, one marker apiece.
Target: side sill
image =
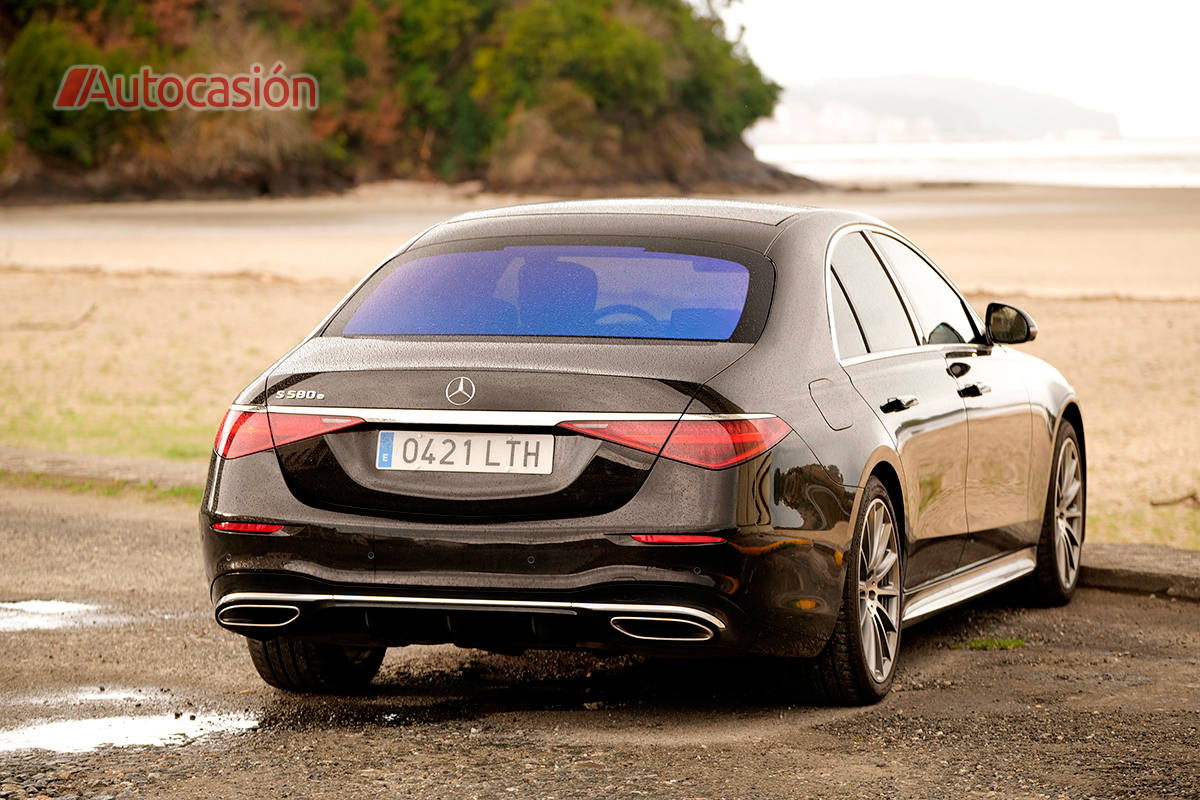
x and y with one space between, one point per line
951 591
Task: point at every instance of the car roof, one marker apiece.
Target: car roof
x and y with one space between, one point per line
750 225
762 213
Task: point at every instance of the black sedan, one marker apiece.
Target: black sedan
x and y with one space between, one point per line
674 427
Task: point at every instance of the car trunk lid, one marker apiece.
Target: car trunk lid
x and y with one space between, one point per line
501 398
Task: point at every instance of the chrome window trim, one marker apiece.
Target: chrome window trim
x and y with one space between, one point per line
830 246
909 309
946 349
469 602
434 416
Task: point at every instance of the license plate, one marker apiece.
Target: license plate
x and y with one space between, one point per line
429 451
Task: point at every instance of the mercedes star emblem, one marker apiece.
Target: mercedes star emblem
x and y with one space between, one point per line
460 391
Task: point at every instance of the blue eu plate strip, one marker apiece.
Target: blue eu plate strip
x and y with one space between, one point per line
383 457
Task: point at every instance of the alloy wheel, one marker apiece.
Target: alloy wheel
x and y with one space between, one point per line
1068 513
879 591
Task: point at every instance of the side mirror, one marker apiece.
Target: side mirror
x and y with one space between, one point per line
1009 325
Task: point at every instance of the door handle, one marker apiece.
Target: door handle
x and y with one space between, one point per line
974 390
900 403
958 369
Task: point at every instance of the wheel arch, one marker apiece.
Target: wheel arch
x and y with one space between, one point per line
890 478
1071 413
884 464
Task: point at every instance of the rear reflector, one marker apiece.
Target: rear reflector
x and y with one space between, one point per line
671 538
708 443
245 432
246 527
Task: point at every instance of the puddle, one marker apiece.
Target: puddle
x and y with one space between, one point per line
28 615
88 718
84 696
102 696
42 615
81 735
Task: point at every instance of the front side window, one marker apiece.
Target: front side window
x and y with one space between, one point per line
581 291
884 321
941 315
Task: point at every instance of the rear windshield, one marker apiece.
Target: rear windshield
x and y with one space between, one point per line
571 290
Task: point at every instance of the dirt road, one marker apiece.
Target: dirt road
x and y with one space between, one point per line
1102 699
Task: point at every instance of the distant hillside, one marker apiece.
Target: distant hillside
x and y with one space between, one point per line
916 108
556 95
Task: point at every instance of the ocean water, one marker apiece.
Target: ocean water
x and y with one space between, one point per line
1105 162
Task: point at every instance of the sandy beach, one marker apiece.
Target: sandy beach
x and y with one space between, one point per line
1050 241
127 328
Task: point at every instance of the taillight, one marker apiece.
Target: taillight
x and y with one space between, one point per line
288 428
245 432
676 538
646 435
242 433
717 444
247 527
708 443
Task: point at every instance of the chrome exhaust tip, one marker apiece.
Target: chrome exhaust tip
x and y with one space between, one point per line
662 629
246 615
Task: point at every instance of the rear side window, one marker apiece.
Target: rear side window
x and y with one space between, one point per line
884 322
940 312
849 337
582 291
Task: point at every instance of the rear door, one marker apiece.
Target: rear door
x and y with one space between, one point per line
999 415
914 397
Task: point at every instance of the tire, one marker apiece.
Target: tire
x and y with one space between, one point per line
853 668
1060 547
296 665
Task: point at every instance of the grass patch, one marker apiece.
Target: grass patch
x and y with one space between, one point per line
1177 526
195 449
148 490
116 430
991 643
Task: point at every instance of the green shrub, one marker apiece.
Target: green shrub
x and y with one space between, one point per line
724 89
535 44
34 68
407 87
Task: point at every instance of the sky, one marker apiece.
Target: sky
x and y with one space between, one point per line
1138 60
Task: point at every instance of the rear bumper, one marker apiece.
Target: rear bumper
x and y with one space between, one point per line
568 583
351 617
662 599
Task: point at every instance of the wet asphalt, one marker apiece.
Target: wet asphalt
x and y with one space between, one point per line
115 682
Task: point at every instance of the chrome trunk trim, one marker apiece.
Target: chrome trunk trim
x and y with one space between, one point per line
962 586
432 416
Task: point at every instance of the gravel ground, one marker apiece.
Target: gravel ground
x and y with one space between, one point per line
1102 700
